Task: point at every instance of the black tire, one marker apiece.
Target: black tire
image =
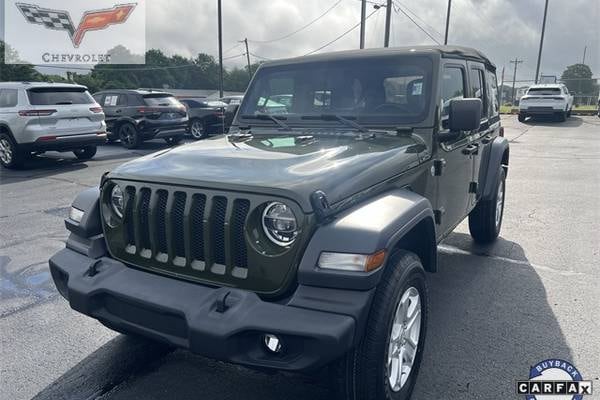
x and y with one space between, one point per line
10 155
174 140
562 116
198 129
569 113
363 372
483 222
129 136
521 117
86 153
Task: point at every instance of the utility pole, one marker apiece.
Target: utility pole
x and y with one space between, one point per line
516 61
248 57
220 48
539 60
584 51
447 21
388 21
363 22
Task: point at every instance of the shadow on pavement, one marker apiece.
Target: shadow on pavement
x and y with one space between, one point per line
490 320
550 121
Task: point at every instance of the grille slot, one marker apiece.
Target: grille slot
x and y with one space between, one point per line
185 232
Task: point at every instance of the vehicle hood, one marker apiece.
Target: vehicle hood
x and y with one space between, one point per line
338 163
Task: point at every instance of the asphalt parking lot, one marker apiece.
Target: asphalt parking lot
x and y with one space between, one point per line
495 310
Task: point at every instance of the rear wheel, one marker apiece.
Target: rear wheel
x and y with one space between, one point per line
86 153
10 156
485 220
386 362
198 129
174 140
522 117
129 136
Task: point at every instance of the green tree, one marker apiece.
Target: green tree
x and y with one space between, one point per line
578 78
15 72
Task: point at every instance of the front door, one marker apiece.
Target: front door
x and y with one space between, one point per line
455 156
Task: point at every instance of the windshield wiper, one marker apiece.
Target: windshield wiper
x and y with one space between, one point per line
339 118
270 117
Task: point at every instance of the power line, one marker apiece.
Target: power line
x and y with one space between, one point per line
398 8
261 57
421 20
343 34
300 29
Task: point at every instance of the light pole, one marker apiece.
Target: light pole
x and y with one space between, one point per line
220 49
447 22
388 21
363 22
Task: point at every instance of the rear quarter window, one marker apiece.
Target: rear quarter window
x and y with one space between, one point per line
58 96
8 98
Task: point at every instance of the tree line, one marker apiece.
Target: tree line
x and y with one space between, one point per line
158 71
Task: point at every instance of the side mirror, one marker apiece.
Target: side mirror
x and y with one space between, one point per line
464 114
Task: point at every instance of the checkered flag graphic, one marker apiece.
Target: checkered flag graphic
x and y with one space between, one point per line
52 19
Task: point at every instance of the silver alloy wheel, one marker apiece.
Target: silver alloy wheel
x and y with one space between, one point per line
500 202
197 129
404 339
6 151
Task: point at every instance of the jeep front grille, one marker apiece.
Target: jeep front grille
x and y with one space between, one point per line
156 223
205 235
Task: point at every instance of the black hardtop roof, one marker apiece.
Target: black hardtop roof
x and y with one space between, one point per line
445 51
133 91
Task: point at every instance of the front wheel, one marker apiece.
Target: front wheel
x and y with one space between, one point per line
385 364
86 153
129 135
522 117
485 220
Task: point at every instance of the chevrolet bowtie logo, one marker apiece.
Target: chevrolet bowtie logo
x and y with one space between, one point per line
90 21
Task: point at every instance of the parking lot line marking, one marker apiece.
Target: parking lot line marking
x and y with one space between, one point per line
452 250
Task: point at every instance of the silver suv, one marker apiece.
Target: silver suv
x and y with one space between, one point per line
39 117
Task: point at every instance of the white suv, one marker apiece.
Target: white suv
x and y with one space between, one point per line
547 99
39 117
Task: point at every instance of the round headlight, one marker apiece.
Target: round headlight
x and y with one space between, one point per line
279 224
117 201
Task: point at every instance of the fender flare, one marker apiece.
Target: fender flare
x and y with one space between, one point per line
5 126
381 222
492 159
119 121
87 201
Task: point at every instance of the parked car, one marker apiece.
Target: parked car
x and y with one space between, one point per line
205 117
546 99
301 239
233 104
39 117
133 116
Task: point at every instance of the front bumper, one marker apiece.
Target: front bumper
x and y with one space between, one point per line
65 143
316 325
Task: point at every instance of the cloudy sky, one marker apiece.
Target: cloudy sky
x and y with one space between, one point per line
503 29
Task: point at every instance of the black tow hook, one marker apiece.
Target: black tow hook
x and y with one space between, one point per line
93 268
221 302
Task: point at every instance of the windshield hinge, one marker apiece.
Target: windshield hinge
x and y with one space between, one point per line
473 187
437 215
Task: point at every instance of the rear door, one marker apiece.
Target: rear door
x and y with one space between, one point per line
64 111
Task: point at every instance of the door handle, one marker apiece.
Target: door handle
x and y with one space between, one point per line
470 149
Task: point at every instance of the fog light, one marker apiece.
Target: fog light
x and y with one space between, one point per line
272 343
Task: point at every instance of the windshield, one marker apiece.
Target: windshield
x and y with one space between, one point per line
389 91
544 91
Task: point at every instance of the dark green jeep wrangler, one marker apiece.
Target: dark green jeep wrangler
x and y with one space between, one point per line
301 239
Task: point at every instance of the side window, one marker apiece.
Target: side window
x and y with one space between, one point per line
122 100
493 99
478 89
453 86
110 100
8 98
133 100
98 98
